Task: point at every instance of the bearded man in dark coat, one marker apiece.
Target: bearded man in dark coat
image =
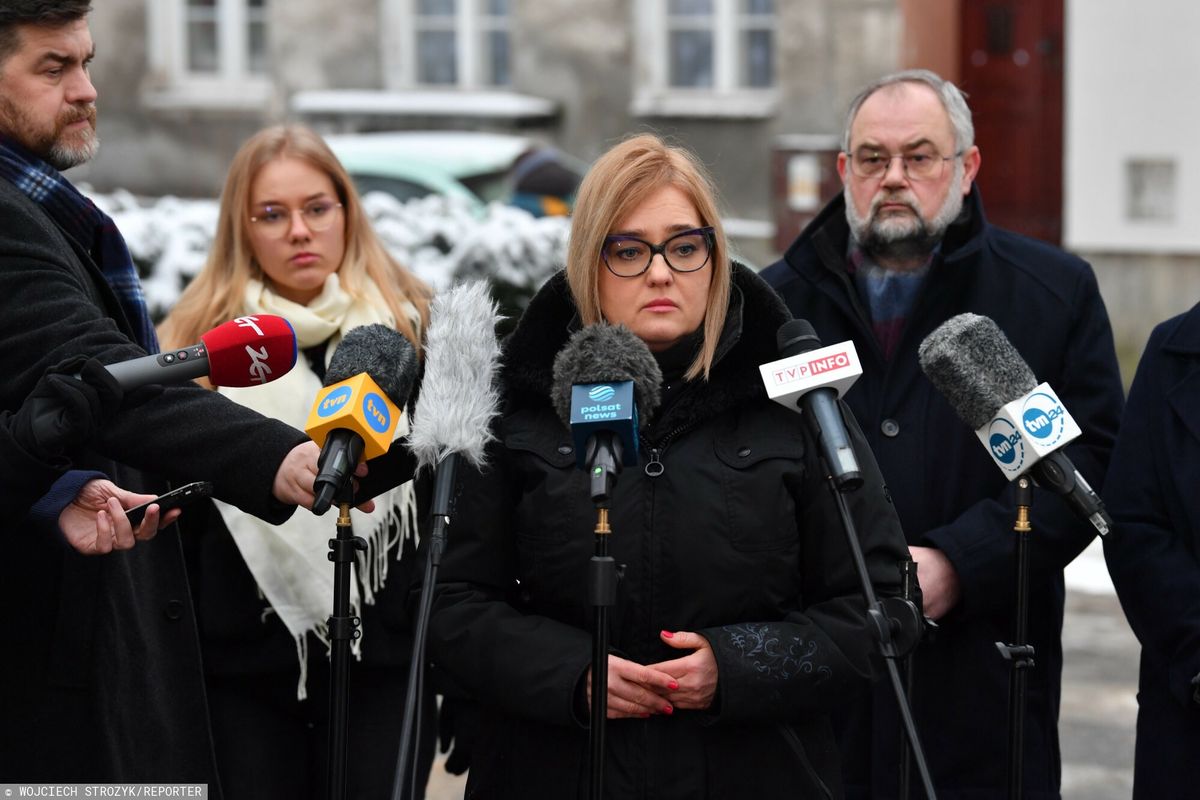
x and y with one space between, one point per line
906 247
101 676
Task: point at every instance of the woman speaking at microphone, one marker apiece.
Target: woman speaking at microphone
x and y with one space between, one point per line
738 620
293 240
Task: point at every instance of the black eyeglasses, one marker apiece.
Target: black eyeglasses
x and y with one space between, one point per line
629 256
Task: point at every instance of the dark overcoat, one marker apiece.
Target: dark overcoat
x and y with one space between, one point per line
738 539
100 677
1153 492
951 496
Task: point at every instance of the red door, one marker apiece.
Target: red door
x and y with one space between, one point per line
1012 72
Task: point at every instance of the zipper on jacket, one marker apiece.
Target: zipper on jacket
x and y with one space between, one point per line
655 466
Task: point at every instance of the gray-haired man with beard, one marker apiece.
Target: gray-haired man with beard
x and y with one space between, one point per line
904 248
100 678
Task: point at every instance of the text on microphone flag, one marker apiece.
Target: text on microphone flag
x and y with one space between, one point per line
249 322
1027 429
836 366
357 404
604 407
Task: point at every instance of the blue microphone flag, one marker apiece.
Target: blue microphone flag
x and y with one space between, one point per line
597 407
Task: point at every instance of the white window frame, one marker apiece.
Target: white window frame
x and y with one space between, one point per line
233 85
471 22
655 96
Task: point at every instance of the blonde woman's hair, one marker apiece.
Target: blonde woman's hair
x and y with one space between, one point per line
216 294
618 183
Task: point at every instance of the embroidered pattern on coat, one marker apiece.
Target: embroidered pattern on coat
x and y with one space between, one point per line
774 657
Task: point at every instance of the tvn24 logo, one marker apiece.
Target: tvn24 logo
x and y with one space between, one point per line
1006 445
1043 418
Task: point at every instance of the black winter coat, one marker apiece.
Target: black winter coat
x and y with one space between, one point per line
951 496
1154 553
737 539
100 678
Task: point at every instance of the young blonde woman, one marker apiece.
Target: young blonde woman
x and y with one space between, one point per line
293 240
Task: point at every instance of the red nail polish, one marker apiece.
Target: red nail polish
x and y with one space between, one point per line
673 685
668 710
668 635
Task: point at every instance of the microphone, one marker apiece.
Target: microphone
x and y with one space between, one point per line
451 422
602 376
458 398
367 384
1022 423
242 352
810 378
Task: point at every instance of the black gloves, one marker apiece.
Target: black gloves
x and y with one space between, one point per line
458 724
67 406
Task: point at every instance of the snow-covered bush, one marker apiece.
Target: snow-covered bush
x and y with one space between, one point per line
443 240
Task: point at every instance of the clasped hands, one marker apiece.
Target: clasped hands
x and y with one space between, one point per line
637 691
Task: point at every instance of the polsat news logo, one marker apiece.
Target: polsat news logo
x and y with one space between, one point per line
817 366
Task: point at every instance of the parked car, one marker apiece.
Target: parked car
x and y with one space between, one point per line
480 168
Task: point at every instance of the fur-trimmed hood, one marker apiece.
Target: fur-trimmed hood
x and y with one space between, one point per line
748 340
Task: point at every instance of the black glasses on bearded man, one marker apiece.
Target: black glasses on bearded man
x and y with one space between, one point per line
318 215
629 256
922 163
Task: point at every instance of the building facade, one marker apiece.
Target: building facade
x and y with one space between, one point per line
183 82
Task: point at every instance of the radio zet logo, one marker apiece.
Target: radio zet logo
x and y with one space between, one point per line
602 393
1005 443
1042 417
376 412
334 401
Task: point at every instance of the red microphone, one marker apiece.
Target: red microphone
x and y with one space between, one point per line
242 352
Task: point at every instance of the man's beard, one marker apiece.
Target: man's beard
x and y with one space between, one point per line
52 146
903 238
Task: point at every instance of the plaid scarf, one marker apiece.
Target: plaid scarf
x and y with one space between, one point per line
888 295
91 228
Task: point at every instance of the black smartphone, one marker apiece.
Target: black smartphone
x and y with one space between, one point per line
172 499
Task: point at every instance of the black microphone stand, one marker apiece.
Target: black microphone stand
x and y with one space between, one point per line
604 465
883 626
908 587
410 731
1020 653
342 629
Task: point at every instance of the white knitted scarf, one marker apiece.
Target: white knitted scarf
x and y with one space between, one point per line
290 561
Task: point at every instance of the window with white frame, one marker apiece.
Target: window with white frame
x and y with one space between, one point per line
209 52
448 43
691 51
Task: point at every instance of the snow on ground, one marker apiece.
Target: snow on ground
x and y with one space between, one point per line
1087 573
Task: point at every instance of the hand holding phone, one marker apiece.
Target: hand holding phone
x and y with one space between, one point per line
173 499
